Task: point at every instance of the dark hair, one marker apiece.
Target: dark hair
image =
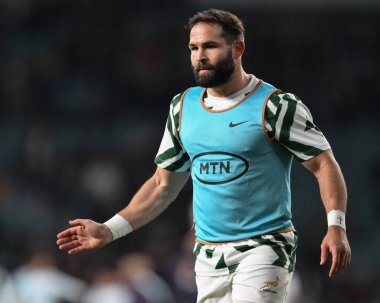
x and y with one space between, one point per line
233 27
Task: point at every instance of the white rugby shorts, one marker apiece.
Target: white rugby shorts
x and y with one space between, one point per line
257 270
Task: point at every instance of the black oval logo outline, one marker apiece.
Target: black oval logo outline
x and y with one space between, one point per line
223 153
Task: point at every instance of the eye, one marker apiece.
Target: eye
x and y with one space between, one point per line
210 45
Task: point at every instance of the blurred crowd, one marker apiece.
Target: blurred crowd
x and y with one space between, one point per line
85 90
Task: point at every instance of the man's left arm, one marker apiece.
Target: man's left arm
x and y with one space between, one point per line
334 197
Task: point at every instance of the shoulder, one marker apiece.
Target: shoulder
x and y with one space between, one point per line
176 100
280 103
286 105
290 123
175 104
280 97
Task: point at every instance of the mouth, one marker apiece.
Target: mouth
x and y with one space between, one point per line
203 69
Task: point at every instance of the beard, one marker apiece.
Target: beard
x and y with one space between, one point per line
217 74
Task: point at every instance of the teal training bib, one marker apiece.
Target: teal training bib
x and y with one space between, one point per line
241 181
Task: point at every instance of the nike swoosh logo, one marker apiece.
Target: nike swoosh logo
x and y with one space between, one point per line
236 124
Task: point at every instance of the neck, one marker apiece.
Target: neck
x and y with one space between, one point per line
238 80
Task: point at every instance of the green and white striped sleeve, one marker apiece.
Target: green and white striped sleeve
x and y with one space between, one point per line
171 155
289 122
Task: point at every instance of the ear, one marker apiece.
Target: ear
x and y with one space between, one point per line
238 48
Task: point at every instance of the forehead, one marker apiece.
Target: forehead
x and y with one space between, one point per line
202 32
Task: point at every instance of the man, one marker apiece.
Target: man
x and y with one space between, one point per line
237 135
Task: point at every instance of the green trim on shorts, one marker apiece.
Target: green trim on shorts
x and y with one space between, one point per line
285 251
282 260
198 249
222 264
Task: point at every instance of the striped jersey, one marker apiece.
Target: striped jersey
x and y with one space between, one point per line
279 117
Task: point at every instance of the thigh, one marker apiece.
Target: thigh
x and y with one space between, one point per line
265 272
214 289
263 284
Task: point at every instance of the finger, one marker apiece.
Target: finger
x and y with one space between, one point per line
347 259
335 263
77 222
73 232
344 261
68 232
61 241
69 245
324 254
76 250
67 239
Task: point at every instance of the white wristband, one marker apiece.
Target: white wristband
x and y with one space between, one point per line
336 217
118 226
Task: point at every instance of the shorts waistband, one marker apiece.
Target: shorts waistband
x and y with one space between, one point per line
221 243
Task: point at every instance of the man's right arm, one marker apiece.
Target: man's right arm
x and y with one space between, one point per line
173 166
154 197
151 200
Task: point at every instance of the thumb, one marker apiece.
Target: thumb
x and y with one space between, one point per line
324 254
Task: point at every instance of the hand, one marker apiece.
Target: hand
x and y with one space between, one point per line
86 235
336 243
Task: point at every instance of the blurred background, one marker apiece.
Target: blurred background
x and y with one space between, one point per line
85 88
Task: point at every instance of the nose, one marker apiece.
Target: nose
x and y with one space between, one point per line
201 56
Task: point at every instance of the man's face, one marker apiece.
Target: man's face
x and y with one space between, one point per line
211 56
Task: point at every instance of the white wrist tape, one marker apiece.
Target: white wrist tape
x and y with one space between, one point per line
118 226
336 217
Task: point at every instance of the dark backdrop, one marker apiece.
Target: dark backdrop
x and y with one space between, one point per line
85 89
